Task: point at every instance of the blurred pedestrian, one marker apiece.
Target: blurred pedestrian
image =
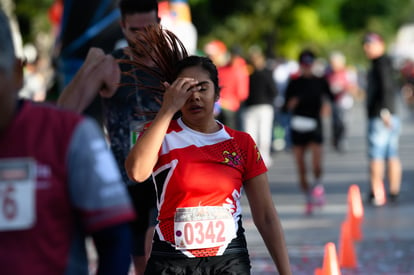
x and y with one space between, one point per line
384 125
34 85
59 184
343 86
407 90
125 113
259 110
126 108
85 24
239 64
282 74
200 167
305 96
234 80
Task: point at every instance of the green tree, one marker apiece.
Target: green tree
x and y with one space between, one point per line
283 27
32 17
242 23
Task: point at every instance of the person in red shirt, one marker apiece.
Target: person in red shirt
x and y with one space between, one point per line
59 184
234 82
200 169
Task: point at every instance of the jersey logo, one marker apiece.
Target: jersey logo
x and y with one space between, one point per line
259 156
231 159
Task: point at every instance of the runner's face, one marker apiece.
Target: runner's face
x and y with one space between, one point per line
200 104
374 49
132 23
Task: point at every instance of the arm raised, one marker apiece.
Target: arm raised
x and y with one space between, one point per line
99 74
144 154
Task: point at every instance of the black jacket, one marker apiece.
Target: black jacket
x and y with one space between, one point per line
381 90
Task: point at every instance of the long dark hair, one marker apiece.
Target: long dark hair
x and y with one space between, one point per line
153 56
162 48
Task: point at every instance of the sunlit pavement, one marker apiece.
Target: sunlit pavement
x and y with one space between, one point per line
387 244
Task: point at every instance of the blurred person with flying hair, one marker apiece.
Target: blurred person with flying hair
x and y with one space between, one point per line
125 110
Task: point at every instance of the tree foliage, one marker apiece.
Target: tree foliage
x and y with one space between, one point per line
287 26
242 22
32 17
282 27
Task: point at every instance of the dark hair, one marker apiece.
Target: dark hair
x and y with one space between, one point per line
137 6
203 62
164 50
162 47
372 37
307 57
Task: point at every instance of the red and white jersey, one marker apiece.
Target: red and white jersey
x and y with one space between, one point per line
196 169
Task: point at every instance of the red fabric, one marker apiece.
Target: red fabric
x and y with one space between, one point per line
195 169
55 12
234 83
41 249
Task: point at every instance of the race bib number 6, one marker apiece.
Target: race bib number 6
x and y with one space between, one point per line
17 194
203 227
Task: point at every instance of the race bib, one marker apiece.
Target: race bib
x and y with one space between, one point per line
203 227
303 123
17 194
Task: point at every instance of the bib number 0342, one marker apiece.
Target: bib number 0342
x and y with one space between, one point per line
203 227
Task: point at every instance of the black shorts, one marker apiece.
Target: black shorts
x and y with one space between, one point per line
143 198
304 138
230 264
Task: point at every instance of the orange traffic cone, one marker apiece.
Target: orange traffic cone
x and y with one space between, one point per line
330 264
318 271
347 257
355 212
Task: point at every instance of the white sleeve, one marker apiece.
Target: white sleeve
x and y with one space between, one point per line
94 179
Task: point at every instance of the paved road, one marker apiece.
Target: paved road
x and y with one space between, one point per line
387 246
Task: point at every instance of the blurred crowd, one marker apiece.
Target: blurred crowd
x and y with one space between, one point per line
282 103
45 71
253 80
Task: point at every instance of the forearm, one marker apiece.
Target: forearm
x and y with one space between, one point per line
73 96
144 154
267 221
99 74
272 234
